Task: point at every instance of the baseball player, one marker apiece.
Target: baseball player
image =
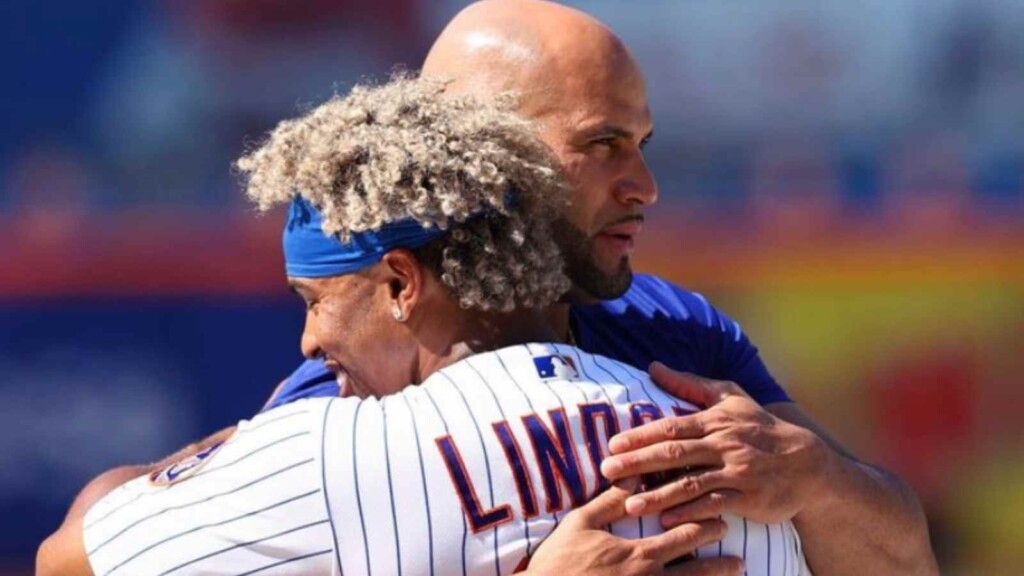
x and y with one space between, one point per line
587 96
464 474
469 470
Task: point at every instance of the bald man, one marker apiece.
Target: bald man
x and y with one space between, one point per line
764 459
770 462
752 451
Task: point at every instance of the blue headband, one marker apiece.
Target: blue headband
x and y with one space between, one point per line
310 253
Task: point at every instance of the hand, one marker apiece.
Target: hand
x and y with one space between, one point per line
733 456
581 545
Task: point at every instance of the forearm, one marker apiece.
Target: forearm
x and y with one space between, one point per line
865 521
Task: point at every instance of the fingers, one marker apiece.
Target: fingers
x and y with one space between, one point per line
686 488
725 566
608 506
701 391
674 428
710 505
660 457
683 540
684 385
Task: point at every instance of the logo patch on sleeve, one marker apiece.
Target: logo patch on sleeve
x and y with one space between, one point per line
184 469
555 366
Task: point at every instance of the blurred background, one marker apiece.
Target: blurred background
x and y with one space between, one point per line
844 178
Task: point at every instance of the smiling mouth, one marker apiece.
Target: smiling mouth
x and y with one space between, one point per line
341 377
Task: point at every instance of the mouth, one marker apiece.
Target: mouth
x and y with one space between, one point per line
621 236
340 376
627 229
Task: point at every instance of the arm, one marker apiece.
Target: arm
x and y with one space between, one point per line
255 486
864 512
773 466
63 553
63 550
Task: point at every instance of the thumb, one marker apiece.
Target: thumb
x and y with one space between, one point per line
685 386
608 506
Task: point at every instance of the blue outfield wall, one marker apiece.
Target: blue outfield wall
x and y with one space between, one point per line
89 384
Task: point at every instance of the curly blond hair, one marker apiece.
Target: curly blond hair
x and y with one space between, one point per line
404 149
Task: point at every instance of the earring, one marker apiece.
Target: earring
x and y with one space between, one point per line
396 311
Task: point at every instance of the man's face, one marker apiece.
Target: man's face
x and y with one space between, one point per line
598 130
348 324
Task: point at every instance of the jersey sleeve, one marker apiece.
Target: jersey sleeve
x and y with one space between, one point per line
738 360
727 353
251 504
310 380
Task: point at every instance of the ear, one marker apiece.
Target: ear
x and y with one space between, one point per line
406 280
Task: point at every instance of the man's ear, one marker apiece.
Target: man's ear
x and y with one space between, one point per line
406 279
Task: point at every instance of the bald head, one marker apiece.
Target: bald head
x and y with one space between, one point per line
545 52
577 81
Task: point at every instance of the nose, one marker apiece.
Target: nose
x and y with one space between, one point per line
637 185
308 343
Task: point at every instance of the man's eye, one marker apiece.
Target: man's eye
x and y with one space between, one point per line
645 142
603 142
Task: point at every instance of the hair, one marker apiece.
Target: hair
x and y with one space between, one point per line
405 149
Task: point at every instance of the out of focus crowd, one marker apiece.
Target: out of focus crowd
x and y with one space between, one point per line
871 109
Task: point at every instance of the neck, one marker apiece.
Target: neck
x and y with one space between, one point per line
558 319
475 332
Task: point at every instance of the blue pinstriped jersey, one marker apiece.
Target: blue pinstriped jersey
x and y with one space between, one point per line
654 320
466 473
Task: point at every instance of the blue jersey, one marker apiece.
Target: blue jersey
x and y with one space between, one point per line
654 320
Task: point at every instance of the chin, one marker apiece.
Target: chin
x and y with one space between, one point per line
595 284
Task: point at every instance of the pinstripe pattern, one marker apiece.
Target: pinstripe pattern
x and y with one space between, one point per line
459 403
391 493
426 492
624 424
465 531
497 404
252 508
332 486
324 485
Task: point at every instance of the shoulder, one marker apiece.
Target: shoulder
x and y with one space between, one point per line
653 297
225 491
660 292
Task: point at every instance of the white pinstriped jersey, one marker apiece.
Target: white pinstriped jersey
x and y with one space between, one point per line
464 474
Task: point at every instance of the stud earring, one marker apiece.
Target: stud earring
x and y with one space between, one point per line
396 311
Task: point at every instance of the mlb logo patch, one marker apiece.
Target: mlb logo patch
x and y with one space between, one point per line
555 366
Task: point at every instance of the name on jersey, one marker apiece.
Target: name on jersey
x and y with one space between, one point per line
554 455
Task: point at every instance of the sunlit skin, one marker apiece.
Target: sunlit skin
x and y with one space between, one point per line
351 325
586 92
345 314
